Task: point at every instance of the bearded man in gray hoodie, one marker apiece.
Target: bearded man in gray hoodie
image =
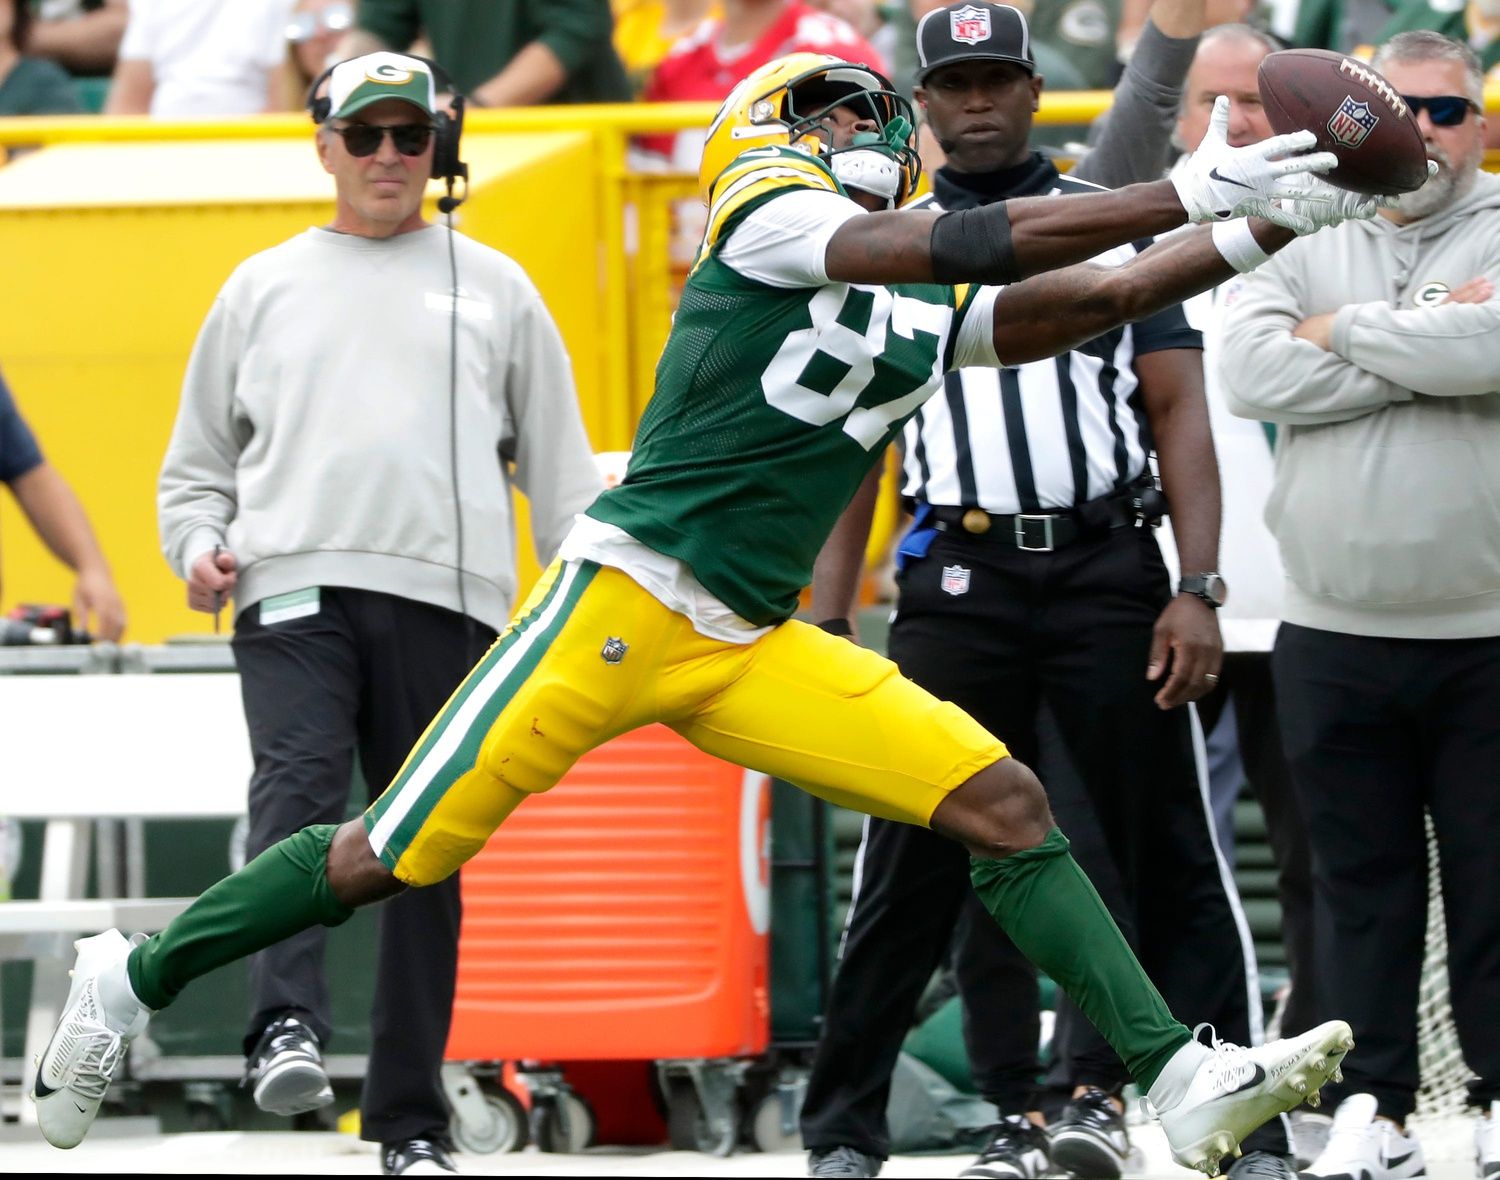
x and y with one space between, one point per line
1376 350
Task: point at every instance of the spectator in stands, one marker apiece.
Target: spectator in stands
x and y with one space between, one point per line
52 509
1357 26
1376 351
1482 26
82 36
194 59
869 18
326 471
704 66
646 30
504 53
29 85
313 32
1215 13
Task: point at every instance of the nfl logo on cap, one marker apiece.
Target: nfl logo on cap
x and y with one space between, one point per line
972 31
969 25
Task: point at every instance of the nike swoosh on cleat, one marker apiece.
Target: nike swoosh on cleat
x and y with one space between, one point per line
41 1089
1214 174
80 1109
1399 1160
1255 1079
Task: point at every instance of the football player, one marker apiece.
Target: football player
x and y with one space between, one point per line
816 319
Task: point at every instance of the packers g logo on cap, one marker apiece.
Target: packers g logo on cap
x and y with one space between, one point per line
388 73
360 81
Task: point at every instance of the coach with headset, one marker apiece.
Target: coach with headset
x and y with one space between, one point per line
357 407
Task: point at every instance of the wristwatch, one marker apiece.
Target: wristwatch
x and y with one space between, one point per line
1209 587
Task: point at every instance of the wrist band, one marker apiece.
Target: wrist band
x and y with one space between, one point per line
837 626
1237 244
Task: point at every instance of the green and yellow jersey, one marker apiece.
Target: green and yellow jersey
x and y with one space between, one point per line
778 388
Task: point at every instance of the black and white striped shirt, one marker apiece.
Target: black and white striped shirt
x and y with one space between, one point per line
1046 435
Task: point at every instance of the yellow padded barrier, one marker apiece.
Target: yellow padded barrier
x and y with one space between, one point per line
116 234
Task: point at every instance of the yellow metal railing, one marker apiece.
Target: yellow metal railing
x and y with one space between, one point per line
636 263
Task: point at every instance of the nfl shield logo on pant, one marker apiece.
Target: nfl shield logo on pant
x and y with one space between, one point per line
614 650
955 580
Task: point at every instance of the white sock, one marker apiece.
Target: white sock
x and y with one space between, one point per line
123 1009
1177 1075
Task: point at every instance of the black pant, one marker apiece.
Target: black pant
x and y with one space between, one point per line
1074 628
1247 682
366 673
1377 729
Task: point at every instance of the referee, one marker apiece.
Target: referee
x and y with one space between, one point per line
1031 575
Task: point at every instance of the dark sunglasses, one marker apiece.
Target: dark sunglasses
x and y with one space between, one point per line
1445 110
363 139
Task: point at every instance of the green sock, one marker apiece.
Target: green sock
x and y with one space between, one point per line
1050 909
282 891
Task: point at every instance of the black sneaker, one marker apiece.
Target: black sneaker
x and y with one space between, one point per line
415 1157
1017 1150
1089 1140
842 1161
286 1070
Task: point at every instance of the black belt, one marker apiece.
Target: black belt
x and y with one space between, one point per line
1041 532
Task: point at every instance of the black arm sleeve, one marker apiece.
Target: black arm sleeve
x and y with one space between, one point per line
973 246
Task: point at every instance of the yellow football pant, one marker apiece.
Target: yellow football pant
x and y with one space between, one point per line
592 654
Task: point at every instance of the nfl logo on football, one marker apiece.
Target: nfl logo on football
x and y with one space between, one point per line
970 25
955 580
1352 122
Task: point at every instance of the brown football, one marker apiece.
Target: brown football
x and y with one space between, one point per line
1355 113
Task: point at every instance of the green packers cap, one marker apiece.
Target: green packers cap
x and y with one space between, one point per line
356 83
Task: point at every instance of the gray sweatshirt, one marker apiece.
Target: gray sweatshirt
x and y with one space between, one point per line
1386 503
314 438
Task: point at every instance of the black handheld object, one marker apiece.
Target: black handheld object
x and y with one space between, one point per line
447 130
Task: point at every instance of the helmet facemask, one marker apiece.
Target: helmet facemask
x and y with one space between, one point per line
883 162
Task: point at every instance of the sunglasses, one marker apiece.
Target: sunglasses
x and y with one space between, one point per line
363 139
304 26
1445 110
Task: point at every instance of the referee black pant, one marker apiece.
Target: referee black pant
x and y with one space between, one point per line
365 674
1376 730
997 631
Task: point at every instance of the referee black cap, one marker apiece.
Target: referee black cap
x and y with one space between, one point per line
972 31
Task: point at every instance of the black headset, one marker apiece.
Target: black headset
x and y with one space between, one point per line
448 129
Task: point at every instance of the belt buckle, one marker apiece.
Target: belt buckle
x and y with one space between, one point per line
1022 521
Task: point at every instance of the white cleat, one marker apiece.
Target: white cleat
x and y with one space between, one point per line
1209 1099
1363 1147
1487 1143
89 1042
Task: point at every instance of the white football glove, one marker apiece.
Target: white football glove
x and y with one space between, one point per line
1315 204
1310 198
1221 182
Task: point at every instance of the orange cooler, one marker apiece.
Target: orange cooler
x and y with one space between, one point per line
621 915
